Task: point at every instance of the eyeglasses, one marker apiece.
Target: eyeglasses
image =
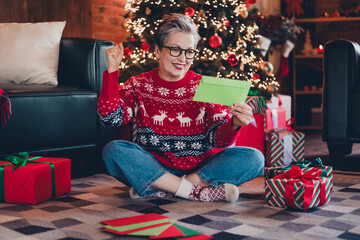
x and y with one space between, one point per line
176 51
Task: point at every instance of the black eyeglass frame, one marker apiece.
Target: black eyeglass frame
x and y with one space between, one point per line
182 50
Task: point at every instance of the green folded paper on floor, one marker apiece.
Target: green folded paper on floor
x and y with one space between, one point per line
187 231
222 91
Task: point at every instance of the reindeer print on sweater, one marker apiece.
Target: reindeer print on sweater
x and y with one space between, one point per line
179 132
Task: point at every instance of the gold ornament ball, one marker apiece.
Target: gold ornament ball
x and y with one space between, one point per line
242 44
267 67
272 89
147 11
243 13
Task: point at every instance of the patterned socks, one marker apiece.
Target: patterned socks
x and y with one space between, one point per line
159 194
225 192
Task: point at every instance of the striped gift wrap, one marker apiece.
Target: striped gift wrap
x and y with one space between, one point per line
277 150
275 192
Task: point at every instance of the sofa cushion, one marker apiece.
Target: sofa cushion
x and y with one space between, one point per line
29 52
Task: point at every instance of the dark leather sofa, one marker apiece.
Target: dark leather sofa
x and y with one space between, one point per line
341 96
61 120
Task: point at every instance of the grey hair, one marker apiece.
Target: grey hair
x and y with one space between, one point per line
173 23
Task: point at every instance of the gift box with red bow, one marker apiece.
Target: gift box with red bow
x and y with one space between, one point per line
252 135
306 165
284 147
298 189
31 180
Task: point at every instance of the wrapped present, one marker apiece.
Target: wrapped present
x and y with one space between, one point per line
298 189
283 101
275 118
31 180
284 147
257 103
252 135
306 165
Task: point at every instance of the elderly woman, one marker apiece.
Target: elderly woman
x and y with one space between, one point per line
180 149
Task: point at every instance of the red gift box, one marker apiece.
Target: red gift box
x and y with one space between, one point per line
275 118
33 183
252 135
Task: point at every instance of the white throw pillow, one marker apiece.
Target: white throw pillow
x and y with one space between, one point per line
29 52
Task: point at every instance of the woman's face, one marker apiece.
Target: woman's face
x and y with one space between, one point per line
175 68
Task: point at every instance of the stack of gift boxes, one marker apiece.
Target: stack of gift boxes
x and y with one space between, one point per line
290 180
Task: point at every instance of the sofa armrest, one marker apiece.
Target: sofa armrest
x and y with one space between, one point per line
341 71
82 62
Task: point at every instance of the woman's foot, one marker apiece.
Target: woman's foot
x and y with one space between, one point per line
159 194
225 192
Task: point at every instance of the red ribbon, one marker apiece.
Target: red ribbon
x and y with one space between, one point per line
296 174
289 123
293 5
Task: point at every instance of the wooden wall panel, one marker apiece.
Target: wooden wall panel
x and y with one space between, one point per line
76 13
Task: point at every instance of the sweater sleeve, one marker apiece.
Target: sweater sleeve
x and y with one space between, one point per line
115 108
218 121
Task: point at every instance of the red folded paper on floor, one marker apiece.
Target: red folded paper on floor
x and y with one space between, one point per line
135 219
32 183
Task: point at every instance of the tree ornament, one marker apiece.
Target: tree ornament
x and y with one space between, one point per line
267 67
190 11
242 44
148 11
232 59
145 46
272 89
215 41
251 1
127 52
243 12
226 22
255 76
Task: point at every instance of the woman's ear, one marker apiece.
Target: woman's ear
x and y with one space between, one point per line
157 51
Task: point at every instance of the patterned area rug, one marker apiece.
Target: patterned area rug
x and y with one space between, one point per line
77 215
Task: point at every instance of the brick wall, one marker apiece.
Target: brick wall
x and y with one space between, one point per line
108 20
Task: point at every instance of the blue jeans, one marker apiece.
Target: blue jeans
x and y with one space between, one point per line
133 166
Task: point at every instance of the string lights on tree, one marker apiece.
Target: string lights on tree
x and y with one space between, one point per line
228 48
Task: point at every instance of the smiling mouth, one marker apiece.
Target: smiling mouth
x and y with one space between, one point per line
178 66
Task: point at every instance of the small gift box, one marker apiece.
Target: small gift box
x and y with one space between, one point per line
306 165
252 135
284 147
31 180
298 189
257 103
283 101
275 118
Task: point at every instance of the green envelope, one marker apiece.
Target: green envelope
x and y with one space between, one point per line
222 91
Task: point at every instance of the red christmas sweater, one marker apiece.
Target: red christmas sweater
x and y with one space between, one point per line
179 132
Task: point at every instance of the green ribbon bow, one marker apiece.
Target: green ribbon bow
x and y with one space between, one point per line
306 163
18 161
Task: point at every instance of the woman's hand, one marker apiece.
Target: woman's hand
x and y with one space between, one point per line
114 56
242 114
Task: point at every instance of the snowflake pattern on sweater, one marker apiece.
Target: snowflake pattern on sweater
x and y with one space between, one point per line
179 132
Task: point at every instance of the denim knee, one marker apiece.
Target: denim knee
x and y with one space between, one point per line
258 160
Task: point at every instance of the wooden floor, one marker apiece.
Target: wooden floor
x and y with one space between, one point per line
315 147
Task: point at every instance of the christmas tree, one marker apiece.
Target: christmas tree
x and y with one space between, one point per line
228 49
